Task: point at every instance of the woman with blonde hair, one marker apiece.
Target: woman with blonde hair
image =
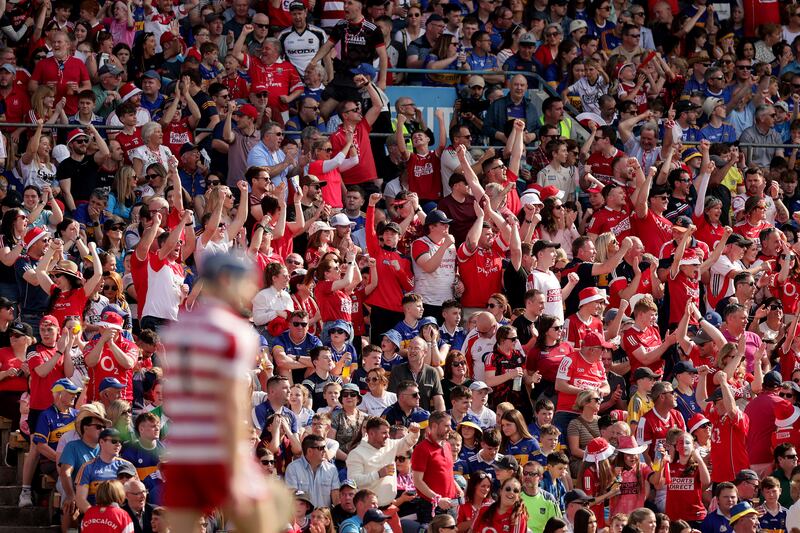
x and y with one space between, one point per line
499 307
35 166
321 520
107 511
123 194
606 245
119 413
213 199
45 108
584 428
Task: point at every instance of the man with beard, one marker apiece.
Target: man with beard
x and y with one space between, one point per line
65 73
80 166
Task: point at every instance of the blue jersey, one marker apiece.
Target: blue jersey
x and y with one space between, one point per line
773 523
460 467
390 364
395 416
302 348
555 487
716 522
154 484
264 410
146 461
467 452
455 340
96 471
523 450
348 348
52 424
687 405
76 454
477 464
406 333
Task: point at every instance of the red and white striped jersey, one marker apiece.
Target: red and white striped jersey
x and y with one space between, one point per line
209 346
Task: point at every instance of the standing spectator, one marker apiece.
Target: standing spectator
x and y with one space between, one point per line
110 354
104 467
65 74
434 259
432 468
761 412
655 424
81 167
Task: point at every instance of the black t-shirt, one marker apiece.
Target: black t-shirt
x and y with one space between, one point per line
208 109
359 43
523 327
339 515
514 283
82 174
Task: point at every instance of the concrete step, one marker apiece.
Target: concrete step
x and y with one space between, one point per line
30 516
9 494
29 529
8 476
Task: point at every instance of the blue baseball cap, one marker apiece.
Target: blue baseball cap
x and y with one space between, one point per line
366 69
110 383
65 385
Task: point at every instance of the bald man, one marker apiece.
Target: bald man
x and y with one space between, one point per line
480 342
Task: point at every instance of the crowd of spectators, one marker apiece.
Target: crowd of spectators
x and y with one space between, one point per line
563 314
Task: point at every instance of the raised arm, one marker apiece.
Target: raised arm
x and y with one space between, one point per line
376 104
517 148
241 210
97 271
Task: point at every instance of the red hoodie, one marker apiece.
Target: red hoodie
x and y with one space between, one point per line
393 283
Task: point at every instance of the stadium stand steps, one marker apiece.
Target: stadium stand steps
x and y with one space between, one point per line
36 519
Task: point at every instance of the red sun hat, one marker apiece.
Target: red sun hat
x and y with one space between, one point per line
697 421
33 235
129 90
76 134
551 190
786 414
591 294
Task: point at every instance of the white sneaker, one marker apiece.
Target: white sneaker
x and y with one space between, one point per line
25 499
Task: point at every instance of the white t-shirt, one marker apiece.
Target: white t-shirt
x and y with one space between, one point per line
449 164
547 283
149 157
376 406
39 174
564 179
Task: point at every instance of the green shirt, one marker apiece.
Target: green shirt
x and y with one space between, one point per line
541 508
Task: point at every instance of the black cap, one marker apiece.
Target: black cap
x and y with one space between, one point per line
745 475
541 244
374 515
772 380
188 147
715 396
110 433
682 221
684 366
685 105
576 496
297 6
507 462
211 17
21 328
437 216
739 240
127 469
644 372
391 226
434 18
5 303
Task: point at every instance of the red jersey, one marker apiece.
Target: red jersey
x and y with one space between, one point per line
72 69
500 522
280 16
357 298
106 520
210 343
238 87
176 134
8 361
365 169
681 290
707 232
653 429
129 142
789 362
728 448
41 397
751 231
685 494
281 78
590 483
17 105
788 292
70 303
333 305
577 329
481 270
425 176
648 339
603 167
620 283
789 434
547 361
394 281
139 277
654 230
108 367
617 222
669 248
580 373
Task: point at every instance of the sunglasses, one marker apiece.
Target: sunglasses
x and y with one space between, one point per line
413 394
791 457
401 458
117 227
458 363
512 339
267 461
263 95
214 183
154 176
300 324
510 489
787 396
109 287
337 332
531 474
114 441
373 380
262 26
349 394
